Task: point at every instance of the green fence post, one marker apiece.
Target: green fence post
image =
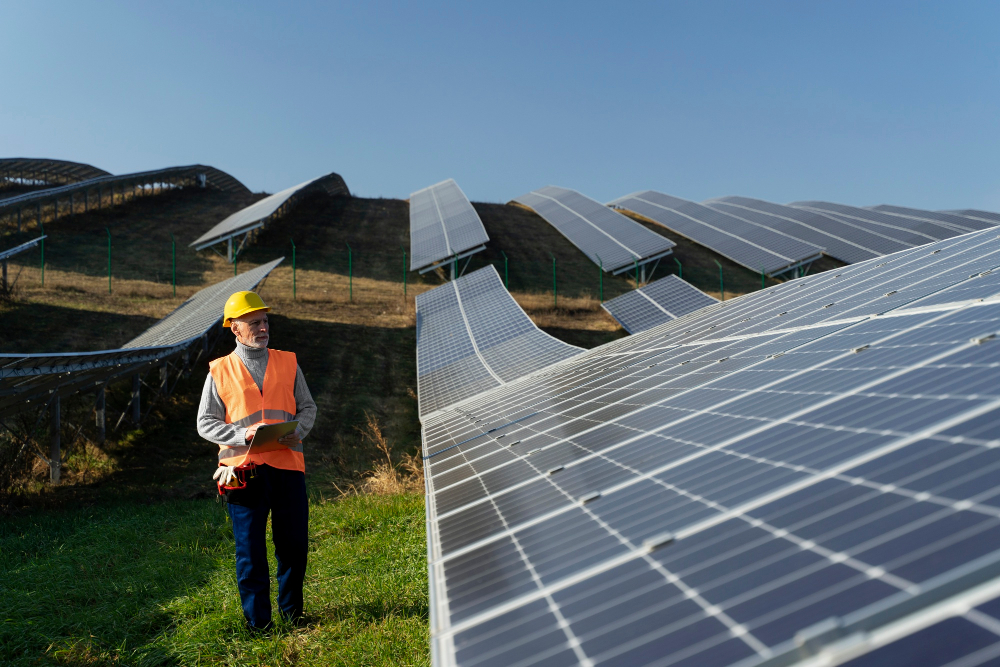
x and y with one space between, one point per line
722 287
404 269
109 259
42 244
350 272
505 283
173 262
555 290
600 275
680 269
293 268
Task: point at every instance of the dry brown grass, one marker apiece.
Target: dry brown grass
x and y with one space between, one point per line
388 477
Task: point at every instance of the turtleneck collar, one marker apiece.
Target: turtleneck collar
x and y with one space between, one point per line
248 352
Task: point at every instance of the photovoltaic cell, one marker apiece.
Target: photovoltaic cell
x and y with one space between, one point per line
979 215
658 302
472 336
608 238
443 224
752 245
842 241
713 491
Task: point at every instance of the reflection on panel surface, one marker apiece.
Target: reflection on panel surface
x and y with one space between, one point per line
658 302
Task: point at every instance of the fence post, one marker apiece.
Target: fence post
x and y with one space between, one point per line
100 410
350 271
404 268
600 275
293 269
109 259
555 291
506 284
173 263
722 287
680 269
136 413
55 455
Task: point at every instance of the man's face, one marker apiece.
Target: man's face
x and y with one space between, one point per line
252 329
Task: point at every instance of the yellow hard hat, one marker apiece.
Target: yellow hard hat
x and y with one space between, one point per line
241 303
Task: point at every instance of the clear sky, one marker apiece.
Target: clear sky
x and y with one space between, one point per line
857 102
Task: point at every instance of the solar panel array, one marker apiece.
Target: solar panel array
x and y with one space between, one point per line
756 247
28 378
842 241
443 224
960 223
658 302
472 336
10 252
748 484
978 215
40 170
912 231
606 237
256 214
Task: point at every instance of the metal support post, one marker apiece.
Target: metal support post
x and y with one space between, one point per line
109 259
762 283
454 265
643 274
600 275
555 291
55 453
293 267
722 286
635 260
136 413
173 262
506 284
680 269
229 249
164 378
350 271
404 269
100 415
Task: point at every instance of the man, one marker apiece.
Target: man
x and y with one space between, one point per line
245 389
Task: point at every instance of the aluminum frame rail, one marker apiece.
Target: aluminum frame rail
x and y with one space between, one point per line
27 379
611 240
660 301
751 245
257 215
10 252
43 171
777 479
444 227
472 336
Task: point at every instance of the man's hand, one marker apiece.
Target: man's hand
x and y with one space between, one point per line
248 436
224 475
291 439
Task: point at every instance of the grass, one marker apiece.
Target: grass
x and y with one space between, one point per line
155 585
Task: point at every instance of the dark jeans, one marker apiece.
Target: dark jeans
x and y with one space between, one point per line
283 494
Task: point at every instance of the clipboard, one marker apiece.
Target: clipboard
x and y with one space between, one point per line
266 437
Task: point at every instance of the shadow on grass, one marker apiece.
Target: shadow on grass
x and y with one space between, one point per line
66 329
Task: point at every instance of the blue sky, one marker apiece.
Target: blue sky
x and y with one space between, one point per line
855 102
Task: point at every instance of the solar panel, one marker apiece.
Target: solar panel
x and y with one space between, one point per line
33 171
658 302
472 336
443 225
10 252
909 230
256 214
959 222
979 215
608 238
753 246
27 378
743 485
839 240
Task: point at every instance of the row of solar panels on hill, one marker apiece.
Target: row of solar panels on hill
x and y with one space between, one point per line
800 475
41 380
444 228
472 336
658 302
256 216
41 171
609 239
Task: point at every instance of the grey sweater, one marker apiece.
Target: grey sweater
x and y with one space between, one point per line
212 412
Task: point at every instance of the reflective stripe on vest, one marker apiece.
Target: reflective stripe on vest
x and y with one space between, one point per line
247 405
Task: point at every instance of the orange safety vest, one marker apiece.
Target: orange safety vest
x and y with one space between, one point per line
247 405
